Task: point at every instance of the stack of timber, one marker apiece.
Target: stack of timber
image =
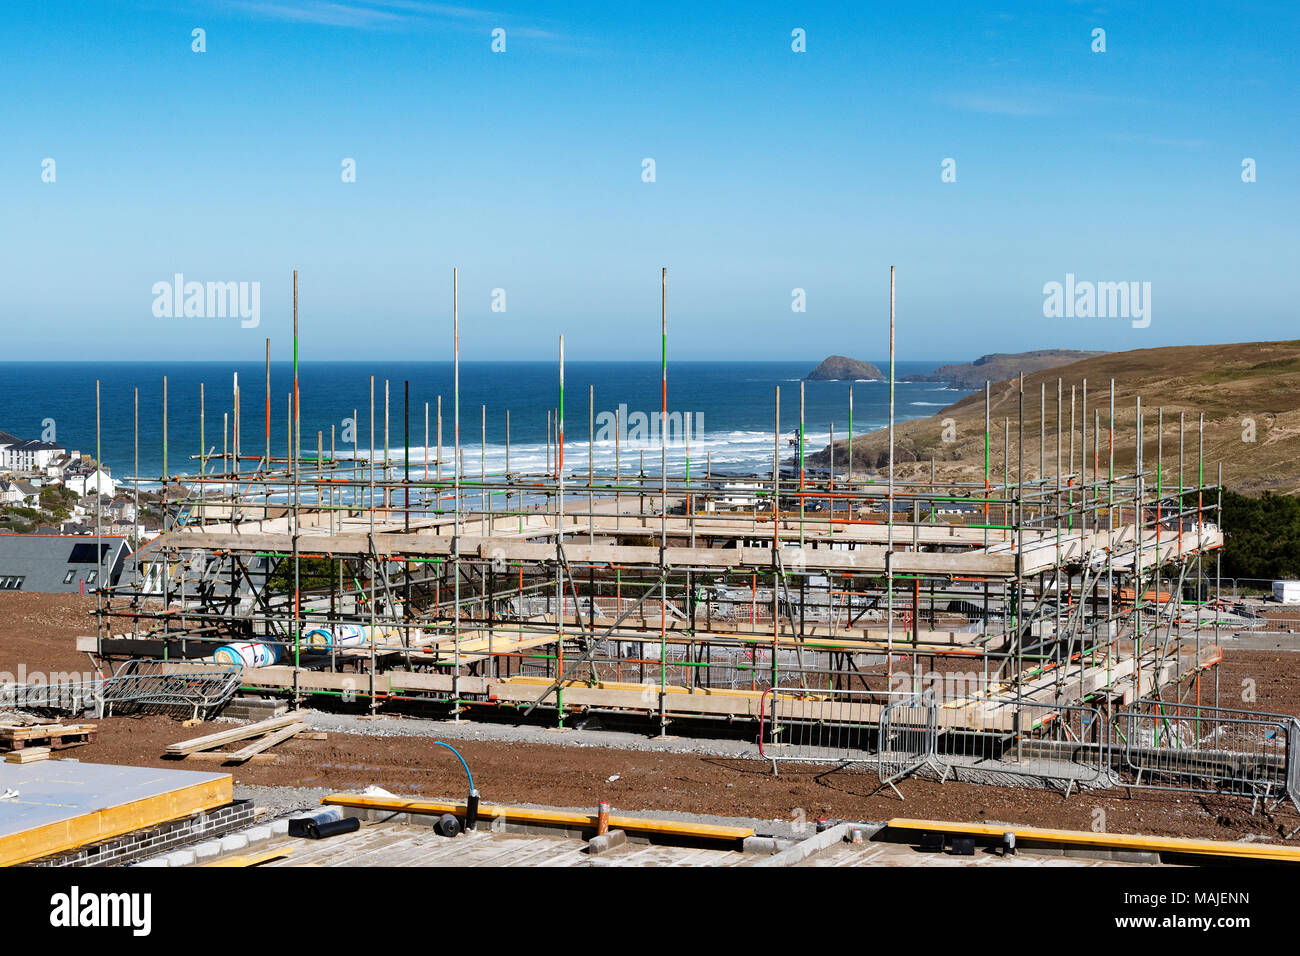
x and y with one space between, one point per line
261 736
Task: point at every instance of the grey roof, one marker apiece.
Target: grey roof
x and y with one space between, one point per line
43 561
33 444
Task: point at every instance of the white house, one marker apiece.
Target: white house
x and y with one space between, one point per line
122 509
19 492
30 455
61 463
97 482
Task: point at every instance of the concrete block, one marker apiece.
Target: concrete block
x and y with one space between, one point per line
603 844
258 834
154 861
180 858
280 827
765 844
207 849
233 842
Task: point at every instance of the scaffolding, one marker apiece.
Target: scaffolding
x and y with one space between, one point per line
680 594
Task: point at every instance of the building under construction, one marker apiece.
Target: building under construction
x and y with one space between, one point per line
1027 603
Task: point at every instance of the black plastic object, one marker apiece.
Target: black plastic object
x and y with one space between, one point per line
471 811
447 826
311 829
963 846
931 843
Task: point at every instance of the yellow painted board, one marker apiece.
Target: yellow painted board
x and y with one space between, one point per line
254 859
1116 841
532 815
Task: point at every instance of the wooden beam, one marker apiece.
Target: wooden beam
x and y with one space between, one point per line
229 736
1116 841
255 859
30 755
569 818
266 743
221 756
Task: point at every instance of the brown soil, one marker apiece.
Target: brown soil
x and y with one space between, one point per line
38 630
572 776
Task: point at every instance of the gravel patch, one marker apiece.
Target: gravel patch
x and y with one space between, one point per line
282 801
583 732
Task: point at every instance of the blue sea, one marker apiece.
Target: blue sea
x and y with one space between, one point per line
731 405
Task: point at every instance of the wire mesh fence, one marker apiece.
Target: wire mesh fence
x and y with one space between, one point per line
908 738
1166 746
154 686
983 738
893 732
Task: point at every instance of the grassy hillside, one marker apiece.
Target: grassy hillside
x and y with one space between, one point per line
1229 384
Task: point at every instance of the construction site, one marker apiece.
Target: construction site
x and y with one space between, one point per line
720 652
1054 623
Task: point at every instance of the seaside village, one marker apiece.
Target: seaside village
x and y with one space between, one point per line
48 492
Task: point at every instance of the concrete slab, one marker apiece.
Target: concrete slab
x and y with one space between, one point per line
402 844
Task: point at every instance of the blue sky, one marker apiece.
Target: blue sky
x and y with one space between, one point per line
775 170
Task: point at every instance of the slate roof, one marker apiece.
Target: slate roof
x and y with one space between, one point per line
44 561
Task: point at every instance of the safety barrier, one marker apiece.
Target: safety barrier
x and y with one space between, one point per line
909 738
1046 743
153 686
57 695
897 731
1201 749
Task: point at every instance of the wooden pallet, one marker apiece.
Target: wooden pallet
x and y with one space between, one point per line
53 736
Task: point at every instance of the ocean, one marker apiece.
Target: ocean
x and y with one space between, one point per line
729 404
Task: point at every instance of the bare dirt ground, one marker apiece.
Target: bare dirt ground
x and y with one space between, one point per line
38 631
691 783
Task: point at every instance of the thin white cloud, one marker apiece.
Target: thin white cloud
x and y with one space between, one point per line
321 12
381 14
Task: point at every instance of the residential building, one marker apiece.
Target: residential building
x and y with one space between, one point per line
97 481
60 563
18 454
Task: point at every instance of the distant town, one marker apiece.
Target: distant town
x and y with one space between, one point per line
50 491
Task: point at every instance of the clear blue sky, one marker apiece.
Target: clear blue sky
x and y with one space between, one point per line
775 170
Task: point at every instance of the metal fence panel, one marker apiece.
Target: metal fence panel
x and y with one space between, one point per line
834 727
1203 749
1293 762
62 696
154 686
908 737
895 730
